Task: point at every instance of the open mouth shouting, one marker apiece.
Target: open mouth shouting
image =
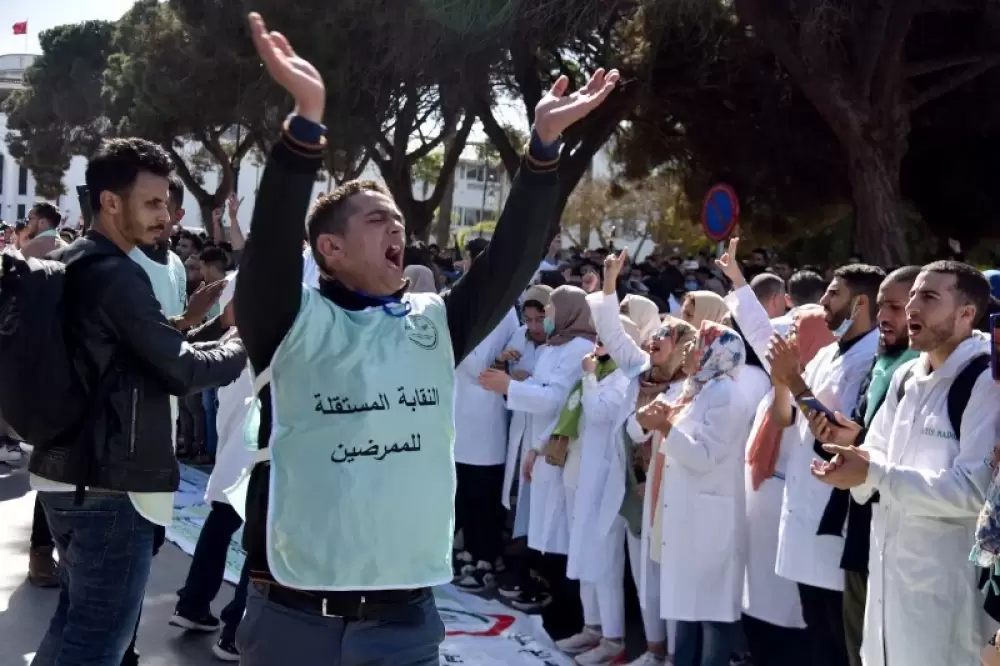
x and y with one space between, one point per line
394 256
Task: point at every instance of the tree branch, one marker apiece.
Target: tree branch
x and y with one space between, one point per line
870 46
524 63
934 92
451 156
916 69
509 155
190 182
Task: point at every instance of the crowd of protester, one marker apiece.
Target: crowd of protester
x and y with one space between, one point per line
798 464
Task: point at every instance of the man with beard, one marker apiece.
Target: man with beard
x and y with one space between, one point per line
893 351
43 230
924 607
806 555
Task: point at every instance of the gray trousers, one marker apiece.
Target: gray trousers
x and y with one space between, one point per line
275 635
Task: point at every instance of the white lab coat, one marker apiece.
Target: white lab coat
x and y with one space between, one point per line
232 455
766 596
543 396
803 555
600 486
480 415
604 310
516 447
703 516
924 606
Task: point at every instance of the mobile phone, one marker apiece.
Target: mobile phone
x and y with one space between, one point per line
995 352
813 404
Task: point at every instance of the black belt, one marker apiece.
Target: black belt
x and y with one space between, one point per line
379 605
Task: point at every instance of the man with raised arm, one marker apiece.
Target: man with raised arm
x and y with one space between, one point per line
350 507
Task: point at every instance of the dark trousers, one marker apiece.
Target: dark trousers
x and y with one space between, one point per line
478 510
41 535
771 645
823 611
855 595
208 564
191 424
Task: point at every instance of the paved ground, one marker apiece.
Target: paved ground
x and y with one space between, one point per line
25 610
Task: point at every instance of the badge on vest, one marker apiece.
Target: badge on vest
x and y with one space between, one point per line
422 331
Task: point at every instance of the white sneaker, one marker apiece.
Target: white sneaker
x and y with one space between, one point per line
11 454
648 659
586 640
606 653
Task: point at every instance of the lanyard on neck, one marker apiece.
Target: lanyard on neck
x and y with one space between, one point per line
394 307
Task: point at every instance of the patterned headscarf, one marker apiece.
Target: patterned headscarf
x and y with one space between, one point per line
652 384
722 355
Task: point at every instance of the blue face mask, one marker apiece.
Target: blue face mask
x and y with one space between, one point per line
846 325
691 285
549 326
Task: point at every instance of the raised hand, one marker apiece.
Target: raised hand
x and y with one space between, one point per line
556 111
234 207
613 265
783 356
729 266
294 74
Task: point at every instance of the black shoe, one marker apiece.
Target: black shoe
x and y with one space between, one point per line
509 584
478 580
225 650
532 601
207 624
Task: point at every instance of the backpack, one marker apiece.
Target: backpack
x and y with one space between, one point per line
41 395
959 392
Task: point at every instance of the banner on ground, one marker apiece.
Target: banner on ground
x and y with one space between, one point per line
478 632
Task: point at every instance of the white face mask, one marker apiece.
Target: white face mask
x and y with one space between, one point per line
844 327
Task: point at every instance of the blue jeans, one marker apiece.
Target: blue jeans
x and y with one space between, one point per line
105 550
211 432
705 643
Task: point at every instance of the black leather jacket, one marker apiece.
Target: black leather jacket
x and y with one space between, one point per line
127 352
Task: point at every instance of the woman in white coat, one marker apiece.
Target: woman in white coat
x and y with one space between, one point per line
658 368
557 369
594 477
520 357
702 510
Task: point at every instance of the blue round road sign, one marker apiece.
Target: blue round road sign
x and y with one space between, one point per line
720 212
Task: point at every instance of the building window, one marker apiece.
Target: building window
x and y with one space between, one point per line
21 211
22 180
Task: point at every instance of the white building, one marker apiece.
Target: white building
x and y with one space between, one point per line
479 193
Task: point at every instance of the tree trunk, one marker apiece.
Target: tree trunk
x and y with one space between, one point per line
874 170
442 229
418 216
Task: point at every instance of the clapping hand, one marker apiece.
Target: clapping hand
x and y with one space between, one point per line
847 469
783 356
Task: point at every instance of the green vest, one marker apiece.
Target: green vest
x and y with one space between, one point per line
362 484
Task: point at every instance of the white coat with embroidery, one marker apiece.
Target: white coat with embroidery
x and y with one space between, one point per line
924 606
542 397
803 555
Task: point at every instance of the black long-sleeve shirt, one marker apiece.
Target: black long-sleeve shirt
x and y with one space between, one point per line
269 286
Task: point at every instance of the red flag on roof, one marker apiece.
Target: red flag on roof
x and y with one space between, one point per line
21 28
